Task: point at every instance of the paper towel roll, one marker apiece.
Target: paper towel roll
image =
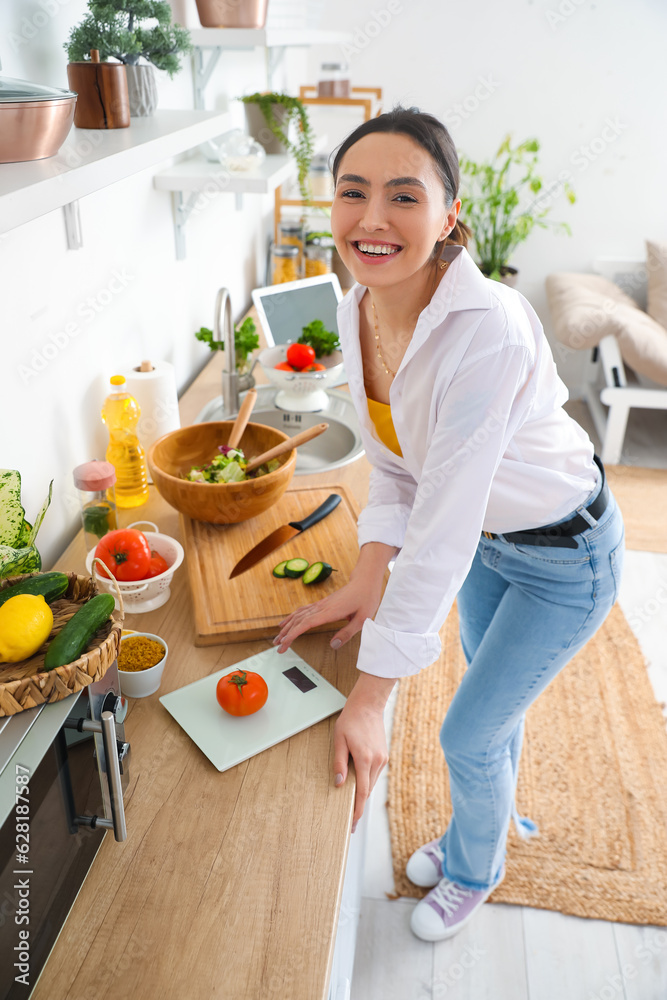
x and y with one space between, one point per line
155 392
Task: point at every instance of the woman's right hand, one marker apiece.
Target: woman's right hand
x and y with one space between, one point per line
356 601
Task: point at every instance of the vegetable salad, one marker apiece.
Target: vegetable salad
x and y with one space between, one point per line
228 467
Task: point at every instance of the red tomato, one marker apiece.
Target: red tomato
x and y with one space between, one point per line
300 355
158 565
315 367
242 692
284 367
126 553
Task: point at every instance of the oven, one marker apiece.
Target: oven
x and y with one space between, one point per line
64 768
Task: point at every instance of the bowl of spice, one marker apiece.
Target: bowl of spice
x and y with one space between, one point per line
141 661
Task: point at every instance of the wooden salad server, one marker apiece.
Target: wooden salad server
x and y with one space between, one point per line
242 418
280 449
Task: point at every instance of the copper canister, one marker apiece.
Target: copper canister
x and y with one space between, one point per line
103 97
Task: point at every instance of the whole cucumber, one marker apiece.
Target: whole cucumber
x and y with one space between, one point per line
76 634
49 585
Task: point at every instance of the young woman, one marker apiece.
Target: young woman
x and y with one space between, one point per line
482 488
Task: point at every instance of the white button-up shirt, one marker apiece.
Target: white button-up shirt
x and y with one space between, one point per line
477 408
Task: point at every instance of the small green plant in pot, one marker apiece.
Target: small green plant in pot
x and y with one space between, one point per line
279 112
502 202
117 29
246 340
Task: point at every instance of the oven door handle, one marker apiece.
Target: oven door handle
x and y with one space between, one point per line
107 729
113 776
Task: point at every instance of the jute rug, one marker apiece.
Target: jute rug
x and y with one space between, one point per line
593 776
642 496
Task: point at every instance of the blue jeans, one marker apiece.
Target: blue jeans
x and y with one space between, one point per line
524 611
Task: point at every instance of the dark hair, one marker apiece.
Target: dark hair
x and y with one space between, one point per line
432 136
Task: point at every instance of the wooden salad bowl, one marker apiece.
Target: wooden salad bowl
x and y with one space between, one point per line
173 455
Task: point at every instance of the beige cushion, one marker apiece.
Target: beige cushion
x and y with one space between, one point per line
586 307
656 266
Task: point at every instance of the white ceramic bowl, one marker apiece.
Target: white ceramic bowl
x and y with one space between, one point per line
141 683
304 391
145 595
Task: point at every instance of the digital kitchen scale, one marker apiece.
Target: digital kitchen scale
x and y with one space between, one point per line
298 697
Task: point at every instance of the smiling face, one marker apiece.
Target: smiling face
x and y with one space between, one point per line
389 209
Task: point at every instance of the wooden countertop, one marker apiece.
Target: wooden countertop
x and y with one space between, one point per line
229 884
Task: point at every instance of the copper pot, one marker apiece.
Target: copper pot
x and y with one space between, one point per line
232 13
34 120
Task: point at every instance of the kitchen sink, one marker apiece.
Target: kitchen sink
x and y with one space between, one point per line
338 446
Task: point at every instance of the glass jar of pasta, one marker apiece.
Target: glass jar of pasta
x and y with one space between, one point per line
318 259
284 263
293 234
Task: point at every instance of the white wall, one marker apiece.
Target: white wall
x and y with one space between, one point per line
49 411
560 70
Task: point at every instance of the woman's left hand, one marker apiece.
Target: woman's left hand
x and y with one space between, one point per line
359 733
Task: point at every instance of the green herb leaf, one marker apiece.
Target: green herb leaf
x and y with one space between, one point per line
96 520
322 341
245 340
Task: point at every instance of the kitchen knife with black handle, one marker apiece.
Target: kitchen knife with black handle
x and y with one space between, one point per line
282 535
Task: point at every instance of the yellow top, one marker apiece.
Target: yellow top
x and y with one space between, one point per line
380 414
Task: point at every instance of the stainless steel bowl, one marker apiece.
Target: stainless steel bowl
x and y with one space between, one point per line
34 120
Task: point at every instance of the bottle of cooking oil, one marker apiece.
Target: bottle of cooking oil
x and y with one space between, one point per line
121 414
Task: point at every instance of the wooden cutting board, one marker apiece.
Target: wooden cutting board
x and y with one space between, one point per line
253 604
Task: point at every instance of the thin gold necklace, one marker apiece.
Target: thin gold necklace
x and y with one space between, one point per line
442 266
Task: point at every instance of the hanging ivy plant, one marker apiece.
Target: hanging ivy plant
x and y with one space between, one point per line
294 111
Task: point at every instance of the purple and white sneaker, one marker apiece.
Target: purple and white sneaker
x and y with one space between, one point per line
447 908
424 867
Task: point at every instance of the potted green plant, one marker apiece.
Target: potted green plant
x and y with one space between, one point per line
273 119
501 203
118 30
246 340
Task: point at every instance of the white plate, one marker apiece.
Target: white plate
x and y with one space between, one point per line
227 740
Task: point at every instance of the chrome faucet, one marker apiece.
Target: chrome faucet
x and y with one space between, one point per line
230 378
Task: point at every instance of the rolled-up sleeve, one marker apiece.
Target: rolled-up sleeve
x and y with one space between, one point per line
486 402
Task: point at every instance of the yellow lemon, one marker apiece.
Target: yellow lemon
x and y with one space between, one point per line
25 623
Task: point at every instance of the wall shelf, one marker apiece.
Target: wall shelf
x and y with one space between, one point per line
197 176
249 38
191 178
274 40
91 159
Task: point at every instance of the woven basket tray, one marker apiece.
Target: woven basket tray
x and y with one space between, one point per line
26 684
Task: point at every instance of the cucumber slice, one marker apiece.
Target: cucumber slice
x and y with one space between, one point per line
296 567
317 572
279 570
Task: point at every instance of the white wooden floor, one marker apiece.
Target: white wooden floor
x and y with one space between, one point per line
516 952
